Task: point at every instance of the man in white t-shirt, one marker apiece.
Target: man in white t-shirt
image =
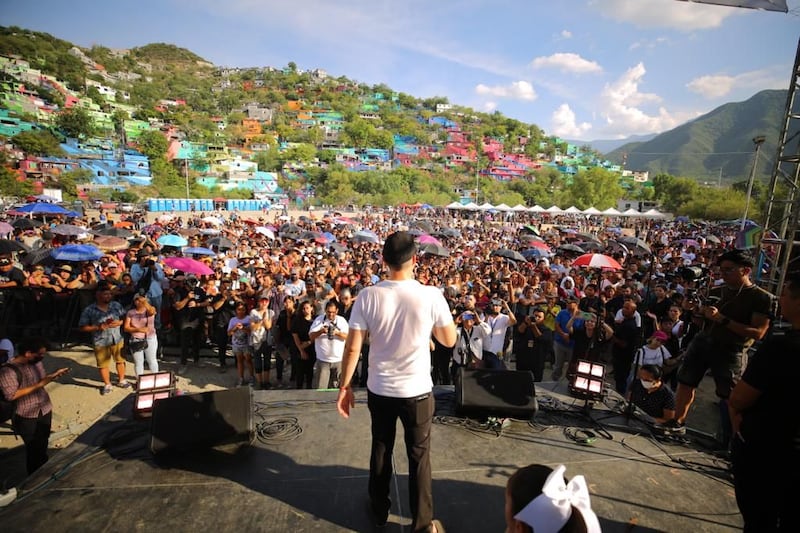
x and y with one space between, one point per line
328 331
399 314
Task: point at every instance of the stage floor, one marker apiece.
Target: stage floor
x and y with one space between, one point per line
312 475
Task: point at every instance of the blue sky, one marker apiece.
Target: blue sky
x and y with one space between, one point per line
582 69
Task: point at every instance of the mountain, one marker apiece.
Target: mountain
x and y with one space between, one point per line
607 145
719 142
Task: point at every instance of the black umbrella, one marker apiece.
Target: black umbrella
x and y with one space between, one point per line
432 248
26 223
713 238
290 228
338 248
587 237
221 242
635 245
310 235
423 225
450 232
571 248
509 254
7 246
114 232
41 256
589 246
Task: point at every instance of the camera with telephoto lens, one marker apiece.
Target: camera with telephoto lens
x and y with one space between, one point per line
331 329
692 273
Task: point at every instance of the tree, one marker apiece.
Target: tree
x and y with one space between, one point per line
68 182
37 142
75 122
596 187
677 192
10 183
303 153
153 144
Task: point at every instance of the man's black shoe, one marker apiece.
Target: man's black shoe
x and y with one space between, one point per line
379 519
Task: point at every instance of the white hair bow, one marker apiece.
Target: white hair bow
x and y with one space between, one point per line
548 512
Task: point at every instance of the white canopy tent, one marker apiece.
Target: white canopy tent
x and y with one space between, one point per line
591 211
454 205
631 213
519 208
572 210
554 209
502 207
654 213
486 206
611 211
537 209
472 206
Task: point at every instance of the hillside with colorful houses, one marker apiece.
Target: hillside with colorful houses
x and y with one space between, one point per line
270 134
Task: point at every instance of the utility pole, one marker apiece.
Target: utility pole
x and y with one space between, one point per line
186 175
758 141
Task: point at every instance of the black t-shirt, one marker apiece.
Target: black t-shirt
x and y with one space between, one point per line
652 403
629 334
16 275
223 315
773 421
191 314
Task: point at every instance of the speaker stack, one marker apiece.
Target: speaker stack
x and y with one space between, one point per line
208 419
499 393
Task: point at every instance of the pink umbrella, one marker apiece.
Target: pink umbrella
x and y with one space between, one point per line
188 265
597 261
427 239
539 244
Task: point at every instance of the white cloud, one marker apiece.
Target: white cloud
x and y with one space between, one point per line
567 62
621 105
648 44
489 107
566 34
718 85
518 90
682 16
564 125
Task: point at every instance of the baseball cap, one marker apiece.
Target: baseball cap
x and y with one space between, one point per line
661 335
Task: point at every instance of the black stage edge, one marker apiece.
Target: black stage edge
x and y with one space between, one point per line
308 470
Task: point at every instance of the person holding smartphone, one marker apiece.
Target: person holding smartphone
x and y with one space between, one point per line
23 381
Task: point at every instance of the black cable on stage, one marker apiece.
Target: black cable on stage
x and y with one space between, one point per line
278 429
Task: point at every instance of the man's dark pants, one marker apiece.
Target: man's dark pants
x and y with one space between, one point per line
191 337
35 433
416 415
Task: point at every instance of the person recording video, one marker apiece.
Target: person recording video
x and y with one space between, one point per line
735 315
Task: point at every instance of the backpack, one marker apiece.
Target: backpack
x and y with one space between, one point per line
9 407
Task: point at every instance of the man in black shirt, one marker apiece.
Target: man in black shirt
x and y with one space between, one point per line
766 426
190 303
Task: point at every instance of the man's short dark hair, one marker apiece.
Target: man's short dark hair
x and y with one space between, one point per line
31 344
399 248
737 257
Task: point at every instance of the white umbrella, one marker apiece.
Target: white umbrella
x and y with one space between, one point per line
265 231
212 220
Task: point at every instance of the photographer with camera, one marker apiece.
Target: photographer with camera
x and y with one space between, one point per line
190 302
735 315
472 335
328 331
499 318
534 343
147 276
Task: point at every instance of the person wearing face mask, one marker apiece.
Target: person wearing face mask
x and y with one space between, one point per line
649 394
23 381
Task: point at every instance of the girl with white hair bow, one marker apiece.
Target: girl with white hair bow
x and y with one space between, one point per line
540 500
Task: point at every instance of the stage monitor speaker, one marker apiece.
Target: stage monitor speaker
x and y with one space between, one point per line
207 419
503 393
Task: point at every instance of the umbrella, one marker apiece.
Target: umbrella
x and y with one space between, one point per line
689 242
151 228
343 221
635 244
290 228
710 238
7 246
534 253
427 239
26 223
198 250
616 246
587 237
124 224
212 220
114 232
77 252
5 228
165 218
433 248
366 236
423 225
597 261
310 235
416 232
337 247
509 254
270 234
172 240
328 236
450 232
571 248
587 246
188 265
40 208
540 245
530 229
37 257
222 243
109 243
69 230
188 232
209 231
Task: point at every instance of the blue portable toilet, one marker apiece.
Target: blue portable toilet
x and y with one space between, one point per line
152 204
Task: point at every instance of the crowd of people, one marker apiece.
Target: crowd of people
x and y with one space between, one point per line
282 293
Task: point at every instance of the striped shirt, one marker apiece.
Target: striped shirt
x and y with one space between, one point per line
32 405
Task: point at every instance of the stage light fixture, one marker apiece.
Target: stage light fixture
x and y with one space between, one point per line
151 388
587 383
